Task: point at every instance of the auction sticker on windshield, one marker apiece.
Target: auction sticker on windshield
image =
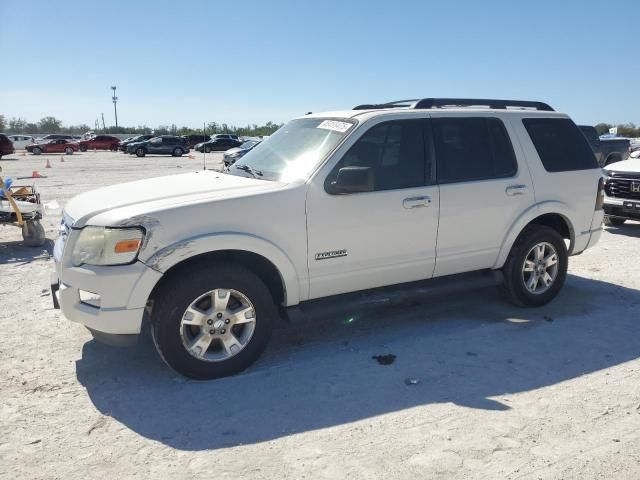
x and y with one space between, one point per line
335 125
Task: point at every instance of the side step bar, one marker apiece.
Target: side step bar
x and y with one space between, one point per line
392 295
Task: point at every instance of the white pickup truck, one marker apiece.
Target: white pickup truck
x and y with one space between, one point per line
382 195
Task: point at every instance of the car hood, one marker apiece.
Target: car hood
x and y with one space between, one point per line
631 165
233 150
115 205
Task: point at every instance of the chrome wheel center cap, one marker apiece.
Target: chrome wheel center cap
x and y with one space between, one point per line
218 324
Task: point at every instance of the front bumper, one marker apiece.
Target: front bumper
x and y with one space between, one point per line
622 207
123 292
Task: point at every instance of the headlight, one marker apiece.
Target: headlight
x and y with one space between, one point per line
107 246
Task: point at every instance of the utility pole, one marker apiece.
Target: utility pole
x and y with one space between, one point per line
115 100
104 129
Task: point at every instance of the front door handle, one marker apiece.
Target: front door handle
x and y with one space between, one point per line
514 190
416 202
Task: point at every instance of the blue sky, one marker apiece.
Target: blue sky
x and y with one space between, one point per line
252 61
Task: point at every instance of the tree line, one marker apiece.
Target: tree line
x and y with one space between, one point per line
624 129
53 125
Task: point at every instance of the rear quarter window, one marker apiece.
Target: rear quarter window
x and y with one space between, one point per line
561 146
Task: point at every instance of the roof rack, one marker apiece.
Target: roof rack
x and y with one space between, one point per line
428 103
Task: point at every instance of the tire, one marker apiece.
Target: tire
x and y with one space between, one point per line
515 276
613 221
36 151
141 152
68 151
207 150
83 148
33 233
181 292
113 148
177 152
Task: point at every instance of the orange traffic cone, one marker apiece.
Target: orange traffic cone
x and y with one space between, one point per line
48 164
62 158
191 156
23 154
36 174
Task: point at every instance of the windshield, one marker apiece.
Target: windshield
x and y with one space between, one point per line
294 151
248 144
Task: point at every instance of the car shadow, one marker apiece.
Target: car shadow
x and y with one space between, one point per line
471 351
18 253
628 229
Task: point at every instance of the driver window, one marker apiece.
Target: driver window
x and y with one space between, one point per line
395 153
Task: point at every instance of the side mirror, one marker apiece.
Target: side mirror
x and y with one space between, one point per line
353 180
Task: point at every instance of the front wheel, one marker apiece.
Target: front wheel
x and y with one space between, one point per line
83 148
207 150
177 152
68 151
212 322
33 233
141 152
36 151
536 267
113 148
613 221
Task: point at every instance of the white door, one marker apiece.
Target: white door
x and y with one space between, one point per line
373 220
483 189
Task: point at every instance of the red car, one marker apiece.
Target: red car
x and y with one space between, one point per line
53 146
100 142
6 145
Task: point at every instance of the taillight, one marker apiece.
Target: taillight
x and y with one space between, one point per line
600 194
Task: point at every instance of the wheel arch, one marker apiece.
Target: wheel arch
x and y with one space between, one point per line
259 255
553 214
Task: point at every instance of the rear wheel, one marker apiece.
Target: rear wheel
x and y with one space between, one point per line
613 221
536 267
177 152
83 148
68 151
33 233
141 152
212 322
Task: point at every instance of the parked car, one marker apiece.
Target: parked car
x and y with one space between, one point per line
21 141
139 138
622 192
100 142
193 140
53 146
218 144
234 154
331 204
54 136
6 146
162 145
607 150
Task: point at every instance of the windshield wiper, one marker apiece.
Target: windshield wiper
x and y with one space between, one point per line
246 168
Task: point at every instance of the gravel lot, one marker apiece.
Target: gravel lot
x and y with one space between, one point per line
501 392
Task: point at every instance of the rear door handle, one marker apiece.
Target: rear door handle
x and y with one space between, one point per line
416 202
514 190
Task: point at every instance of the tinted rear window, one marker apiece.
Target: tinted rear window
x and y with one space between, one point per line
471 149
561 146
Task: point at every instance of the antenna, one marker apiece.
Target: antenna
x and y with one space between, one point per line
204 150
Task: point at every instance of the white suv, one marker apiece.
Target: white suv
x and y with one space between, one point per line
332 203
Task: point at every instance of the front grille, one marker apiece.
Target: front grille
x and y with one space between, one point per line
619 185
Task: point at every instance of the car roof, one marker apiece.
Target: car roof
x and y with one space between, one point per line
409 112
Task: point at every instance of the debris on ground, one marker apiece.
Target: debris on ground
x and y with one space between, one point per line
387 359
412 381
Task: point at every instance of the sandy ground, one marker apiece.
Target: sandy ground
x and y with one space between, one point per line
501 392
